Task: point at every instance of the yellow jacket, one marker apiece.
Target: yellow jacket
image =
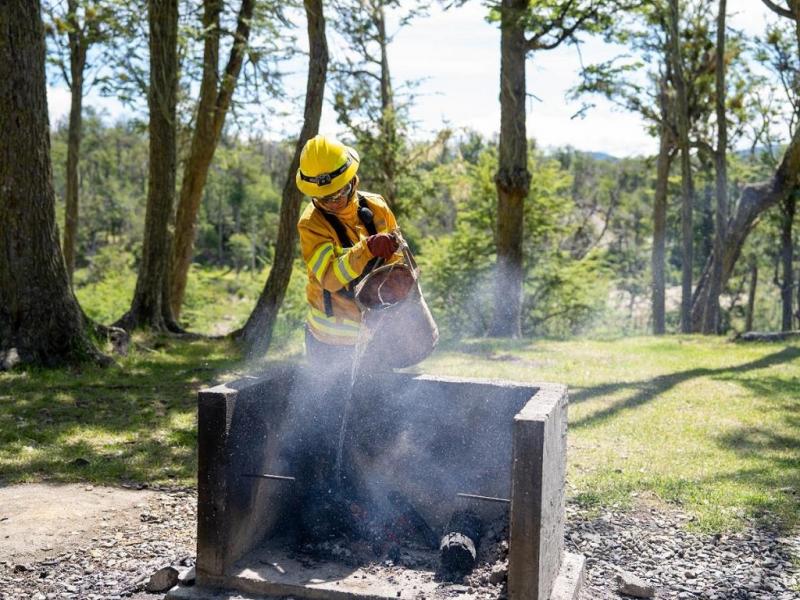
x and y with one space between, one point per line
331 267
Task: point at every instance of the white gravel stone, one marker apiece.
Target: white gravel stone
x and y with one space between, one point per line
631 585
162 580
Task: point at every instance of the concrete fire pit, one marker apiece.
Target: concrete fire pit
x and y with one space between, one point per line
431 437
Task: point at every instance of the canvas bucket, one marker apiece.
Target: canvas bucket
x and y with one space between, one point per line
399 326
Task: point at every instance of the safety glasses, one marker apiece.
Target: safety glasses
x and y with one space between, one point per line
331 198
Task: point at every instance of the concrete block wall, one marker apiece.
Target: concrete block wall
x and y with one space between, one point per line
536 544
238 423
429 437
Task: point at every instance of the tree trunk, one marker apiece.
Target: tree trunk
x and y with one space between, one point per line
148 307
787 258
212 108
257 331
797 312
711 320
704 209
77 64
40 320
755 199
512 179
751 296
660 230
388 117
682 119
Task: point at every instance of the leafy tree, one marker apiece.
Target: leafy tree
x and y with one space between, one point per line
257 331
550 24
779 52
711 319
364 97
682 122
150 307
216 92
647 32
40 319
75 28
756 198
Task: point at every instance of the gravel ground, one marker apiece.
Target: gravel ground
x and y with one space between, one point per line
116 562
655 545
650 542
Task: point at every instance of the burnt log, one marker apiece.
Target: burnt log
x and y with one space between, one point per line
416 522
458 549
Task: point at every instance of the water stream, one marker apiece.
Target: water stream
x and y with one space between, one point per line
364 337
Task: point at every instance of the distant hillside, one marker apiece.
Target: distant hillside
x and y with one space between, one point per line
603 156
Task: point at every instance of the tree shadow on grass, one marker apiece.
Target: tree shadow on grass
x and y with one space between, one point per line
768 458
134 424
775 454
650 389
777 482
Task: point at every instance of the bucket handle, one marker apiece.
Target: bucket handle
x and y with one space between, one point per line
410 262
407 255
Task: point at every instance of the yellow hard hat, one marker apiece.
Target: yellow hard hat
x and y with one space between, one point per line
326 166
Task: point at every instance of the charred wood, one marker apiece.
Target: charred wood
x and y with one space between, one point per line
458 549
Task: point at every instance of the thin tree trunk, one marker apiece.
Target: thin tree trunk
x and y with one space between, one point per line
787 258
660 230
148 307
797 313
682 114
388 117
751 296
257 331
711 320
512 179
704 209
40 320
77 64
212 108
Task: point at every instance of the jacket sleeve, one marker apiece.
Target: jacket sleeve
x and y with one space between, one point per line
333 266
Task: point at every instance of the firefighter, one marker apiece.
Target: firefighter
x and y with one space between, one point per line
343 233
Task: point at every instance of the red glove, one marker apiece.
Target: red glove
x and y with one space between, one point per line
382 245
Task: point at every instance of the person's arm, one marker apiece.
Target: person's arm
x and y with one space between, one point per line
319 253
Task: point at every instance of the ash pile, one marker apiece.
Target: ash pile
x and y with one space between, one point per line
389 542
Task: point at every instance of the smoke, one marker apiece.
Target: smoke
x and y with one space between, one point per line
356 433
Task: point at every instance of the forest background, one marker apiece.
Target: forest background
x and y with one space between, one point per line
514 238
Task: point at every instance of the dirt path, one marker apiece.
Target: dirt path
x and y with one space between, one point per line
93 543
84 542
40 520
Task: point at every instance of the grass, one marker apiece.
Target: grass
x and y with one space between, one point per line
704 423
131 423
107 298
135 422
699 422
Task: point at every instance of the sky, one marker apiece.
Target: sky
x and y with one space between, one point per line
455 56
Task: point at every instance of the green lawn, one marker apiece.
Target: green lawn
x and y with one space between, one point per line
704 423
701 422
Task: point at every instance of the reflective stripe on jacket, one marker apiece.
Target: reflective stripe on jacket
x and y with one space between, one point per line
331 267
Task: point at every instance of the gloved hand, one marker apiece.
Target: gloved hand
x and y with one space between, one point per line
382 245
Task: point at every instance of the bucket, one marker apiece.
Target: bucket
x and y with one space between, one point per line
400 328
